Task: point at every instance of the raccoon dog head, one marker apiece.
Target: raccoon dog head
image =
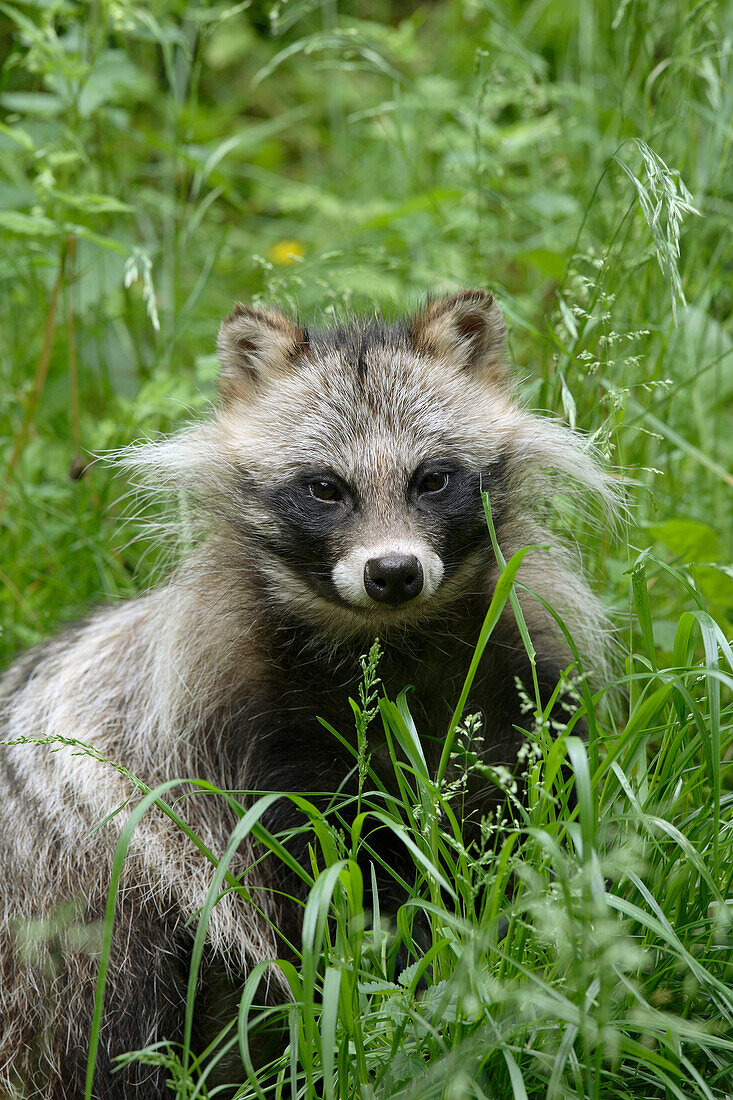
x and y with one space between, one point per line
362 451
346 464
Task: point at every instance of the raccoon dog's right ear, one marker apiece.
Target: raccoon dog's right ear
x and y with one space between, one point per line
254 344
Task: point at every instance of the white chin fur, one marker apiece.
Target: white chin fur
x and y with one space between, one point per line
348 573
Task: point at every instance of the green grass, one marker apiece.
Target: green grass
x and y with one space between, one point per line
159 162
584 951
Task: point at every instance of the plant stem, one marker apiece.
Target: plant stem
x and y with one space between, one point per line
39 380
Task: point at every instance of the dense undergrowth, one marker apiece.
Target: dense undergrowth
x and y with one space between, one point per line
160 161
581 949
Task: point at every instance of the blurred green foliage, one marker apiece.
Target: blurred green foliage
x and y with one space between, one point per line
160 161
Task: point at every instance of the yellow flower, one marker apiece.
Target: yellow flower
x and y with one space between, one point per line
287 252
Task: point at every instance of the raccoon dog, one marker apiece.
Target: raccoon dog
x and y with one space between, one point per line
337 496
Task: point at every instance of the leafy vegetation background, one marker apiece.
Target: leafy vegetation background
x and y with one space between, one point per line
159 161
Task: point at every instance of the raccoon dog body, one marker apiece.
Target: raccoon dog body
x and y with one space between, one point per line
337 492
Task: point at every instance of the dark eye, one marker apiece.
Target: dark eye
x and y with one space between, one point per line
434 482
326 491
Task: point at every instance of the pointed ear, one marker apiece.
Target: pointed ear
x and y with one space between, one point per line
467 330
255 343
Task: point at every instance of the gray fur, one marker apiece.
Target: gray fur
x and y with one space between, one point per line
178 683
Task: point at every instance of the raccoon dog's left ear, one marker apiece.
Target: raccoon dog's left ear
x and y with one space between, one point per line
466 329
255 344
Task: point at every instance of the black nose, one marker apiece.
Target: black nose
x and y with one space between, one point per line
395 578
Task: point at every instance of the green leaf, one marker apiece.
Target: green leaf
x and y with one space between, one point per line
550 264
689 539
28 225
18 136
113 76
39 104
93 203
643 611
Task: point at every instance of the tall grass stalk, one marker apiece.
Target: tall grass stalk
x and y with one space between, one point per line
583 949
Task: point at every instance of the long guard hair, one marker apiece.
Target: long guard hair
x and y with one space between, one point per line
331 453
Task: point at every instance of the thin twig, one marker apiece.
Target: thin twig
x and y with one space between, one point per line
78 465
38 382
17 595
